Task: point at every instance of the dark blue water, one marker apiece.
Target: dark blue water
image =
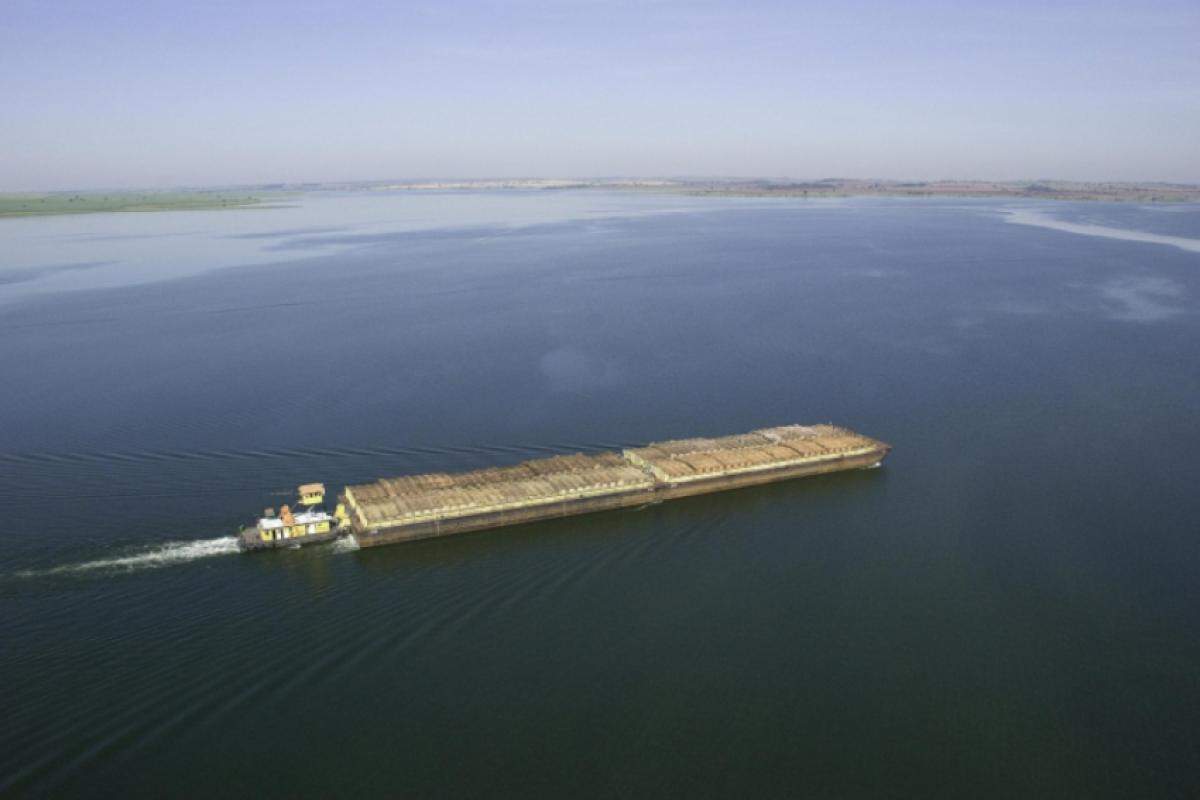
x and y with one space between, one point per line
1009 608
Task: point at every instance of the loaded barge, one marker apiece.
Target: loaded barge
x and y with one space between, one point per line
412 507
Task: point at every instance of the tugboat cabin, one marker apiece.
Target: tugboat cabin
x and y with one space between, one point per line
311 494
291 526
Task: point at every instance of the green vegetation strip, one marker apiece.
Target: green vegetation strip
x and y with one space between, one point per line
28 205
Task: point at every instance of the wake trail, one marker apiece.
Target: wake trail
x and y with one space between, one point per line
163 555
1039 220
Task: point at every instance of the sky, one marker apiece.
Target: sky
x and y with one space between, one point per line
107 94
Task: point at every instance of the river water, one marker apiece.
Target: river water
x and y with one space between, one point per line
1008 608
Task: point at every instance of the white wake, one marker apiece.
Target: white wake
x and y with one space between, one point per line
163 555
1037 219
346 544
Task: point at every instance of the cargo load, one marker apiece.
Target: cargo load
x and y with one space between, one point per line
437 504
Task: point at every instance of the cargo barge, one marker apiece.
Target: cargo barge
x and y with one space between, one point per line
413 507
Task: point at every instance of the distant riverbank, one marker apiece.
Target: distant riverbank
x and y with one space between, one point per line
1040 190
46 203
1147 192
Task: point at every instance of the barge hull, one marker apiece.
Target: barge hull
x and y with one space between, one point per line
728 482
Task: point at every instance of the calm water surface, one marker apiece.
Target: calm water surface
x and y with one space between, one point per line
1009 608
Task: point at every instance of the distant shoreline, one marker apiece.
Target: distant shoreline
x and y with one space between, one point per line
30 204
1146 192
1040 190
41 204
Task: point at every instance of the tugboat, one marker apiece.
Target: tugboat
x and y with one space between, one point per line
308 524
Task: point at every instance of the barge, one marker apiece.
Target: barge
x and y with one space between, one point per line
412 507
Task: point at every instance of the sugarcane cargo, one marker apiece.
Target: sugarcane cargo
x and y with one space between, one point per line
438 504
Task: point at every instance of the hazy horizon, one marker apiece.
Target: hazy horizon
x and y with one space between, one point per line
268 185
110 95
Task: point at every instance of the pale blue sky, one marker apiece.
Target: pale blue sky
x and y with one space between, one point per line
110 93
